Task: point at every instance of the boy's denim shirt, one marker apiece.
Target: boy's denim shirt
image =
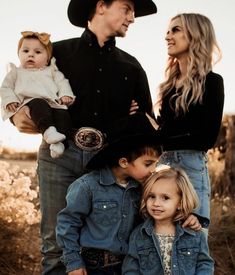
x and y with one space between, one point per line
190 253
99 214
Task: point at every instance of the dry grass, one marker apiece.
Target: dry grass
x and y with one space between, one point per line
222 235
222 229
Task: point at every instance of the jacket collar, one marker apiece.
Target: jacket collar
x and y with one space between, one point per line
148 227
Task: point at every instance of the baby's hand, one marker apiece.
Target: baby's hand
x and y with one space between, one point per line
12 107
66 100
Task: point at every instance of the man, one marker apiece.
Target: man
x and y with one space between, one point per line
105 81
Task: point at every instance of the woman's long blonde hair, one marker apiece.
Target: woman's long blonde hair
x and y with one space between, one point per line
189 198
203 49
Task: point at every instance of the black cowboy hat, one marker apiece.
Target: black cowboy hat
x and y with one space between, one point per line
79 10
126 134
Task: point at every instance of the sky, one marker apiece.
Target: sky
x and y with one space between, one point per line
144 40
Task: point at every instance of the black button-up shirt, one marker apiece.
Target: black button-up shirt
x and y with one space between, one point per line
104 80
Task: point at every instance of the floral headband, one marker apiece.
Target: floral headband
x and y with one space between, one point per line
43 37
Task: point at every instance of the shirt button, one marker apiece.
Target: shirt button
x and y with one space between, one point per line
125 77
101 52
100 69
96 114
90 44
98 91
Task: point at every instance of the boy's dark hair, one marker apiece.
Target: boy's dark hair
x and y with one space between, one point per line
131 153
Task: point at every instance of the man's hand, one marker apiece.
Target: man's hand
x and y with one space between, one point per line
192 222
22 121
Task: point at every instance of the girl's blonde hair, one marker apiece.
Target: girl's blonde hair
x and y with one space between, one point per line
203 48
189 198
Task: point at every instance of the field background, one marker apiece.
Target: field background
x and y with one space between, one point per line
20 216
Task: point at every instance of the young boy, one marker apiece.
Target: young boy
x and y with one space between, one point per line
103 205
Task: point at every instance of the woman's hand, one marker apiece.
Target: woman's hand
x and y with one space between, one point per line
134 107
23 122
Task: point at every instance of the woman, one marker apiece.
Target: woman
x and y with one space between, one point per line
190 102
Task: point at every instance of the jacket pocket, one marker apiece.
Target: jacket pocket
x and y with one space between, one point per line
105 212
188 257
148 258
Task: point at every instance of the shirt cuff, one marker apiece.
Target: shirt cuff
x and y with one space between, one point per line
72 261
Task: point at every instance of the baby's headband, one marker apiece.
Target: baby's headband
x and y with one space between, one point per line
43 37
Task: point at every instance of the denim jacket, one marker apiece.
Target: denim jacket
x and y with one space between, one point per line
99 214
190 253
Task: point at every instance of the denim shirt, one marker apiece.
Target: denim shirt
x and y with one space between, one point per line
190 253
99 214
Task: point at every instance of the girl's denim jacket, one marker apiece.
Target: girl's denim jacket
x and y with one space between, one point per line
190 253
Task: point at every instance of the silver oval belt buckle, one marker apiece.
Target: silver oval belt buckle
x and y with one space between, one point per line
89 139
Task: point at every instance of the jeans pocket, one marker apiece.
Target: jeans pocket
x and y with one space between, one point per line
193 162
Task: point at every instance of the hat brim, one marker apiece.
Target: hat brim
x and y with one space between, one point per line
79 10
101 158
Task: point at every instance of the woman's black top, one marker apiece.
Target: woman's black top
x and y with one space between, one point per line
199 127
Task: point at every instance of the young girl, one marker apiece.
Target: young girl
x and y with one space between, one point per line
190 102
161 245
38 84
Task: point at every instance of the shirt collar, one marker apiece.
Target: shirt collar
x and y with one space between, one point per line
107 178
91 39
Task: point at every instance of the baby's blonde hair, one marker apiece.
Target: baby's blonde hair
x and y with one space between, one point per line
189 198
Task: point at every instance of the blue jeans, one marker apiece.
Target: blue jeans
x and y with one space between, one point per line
194 164
55 175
